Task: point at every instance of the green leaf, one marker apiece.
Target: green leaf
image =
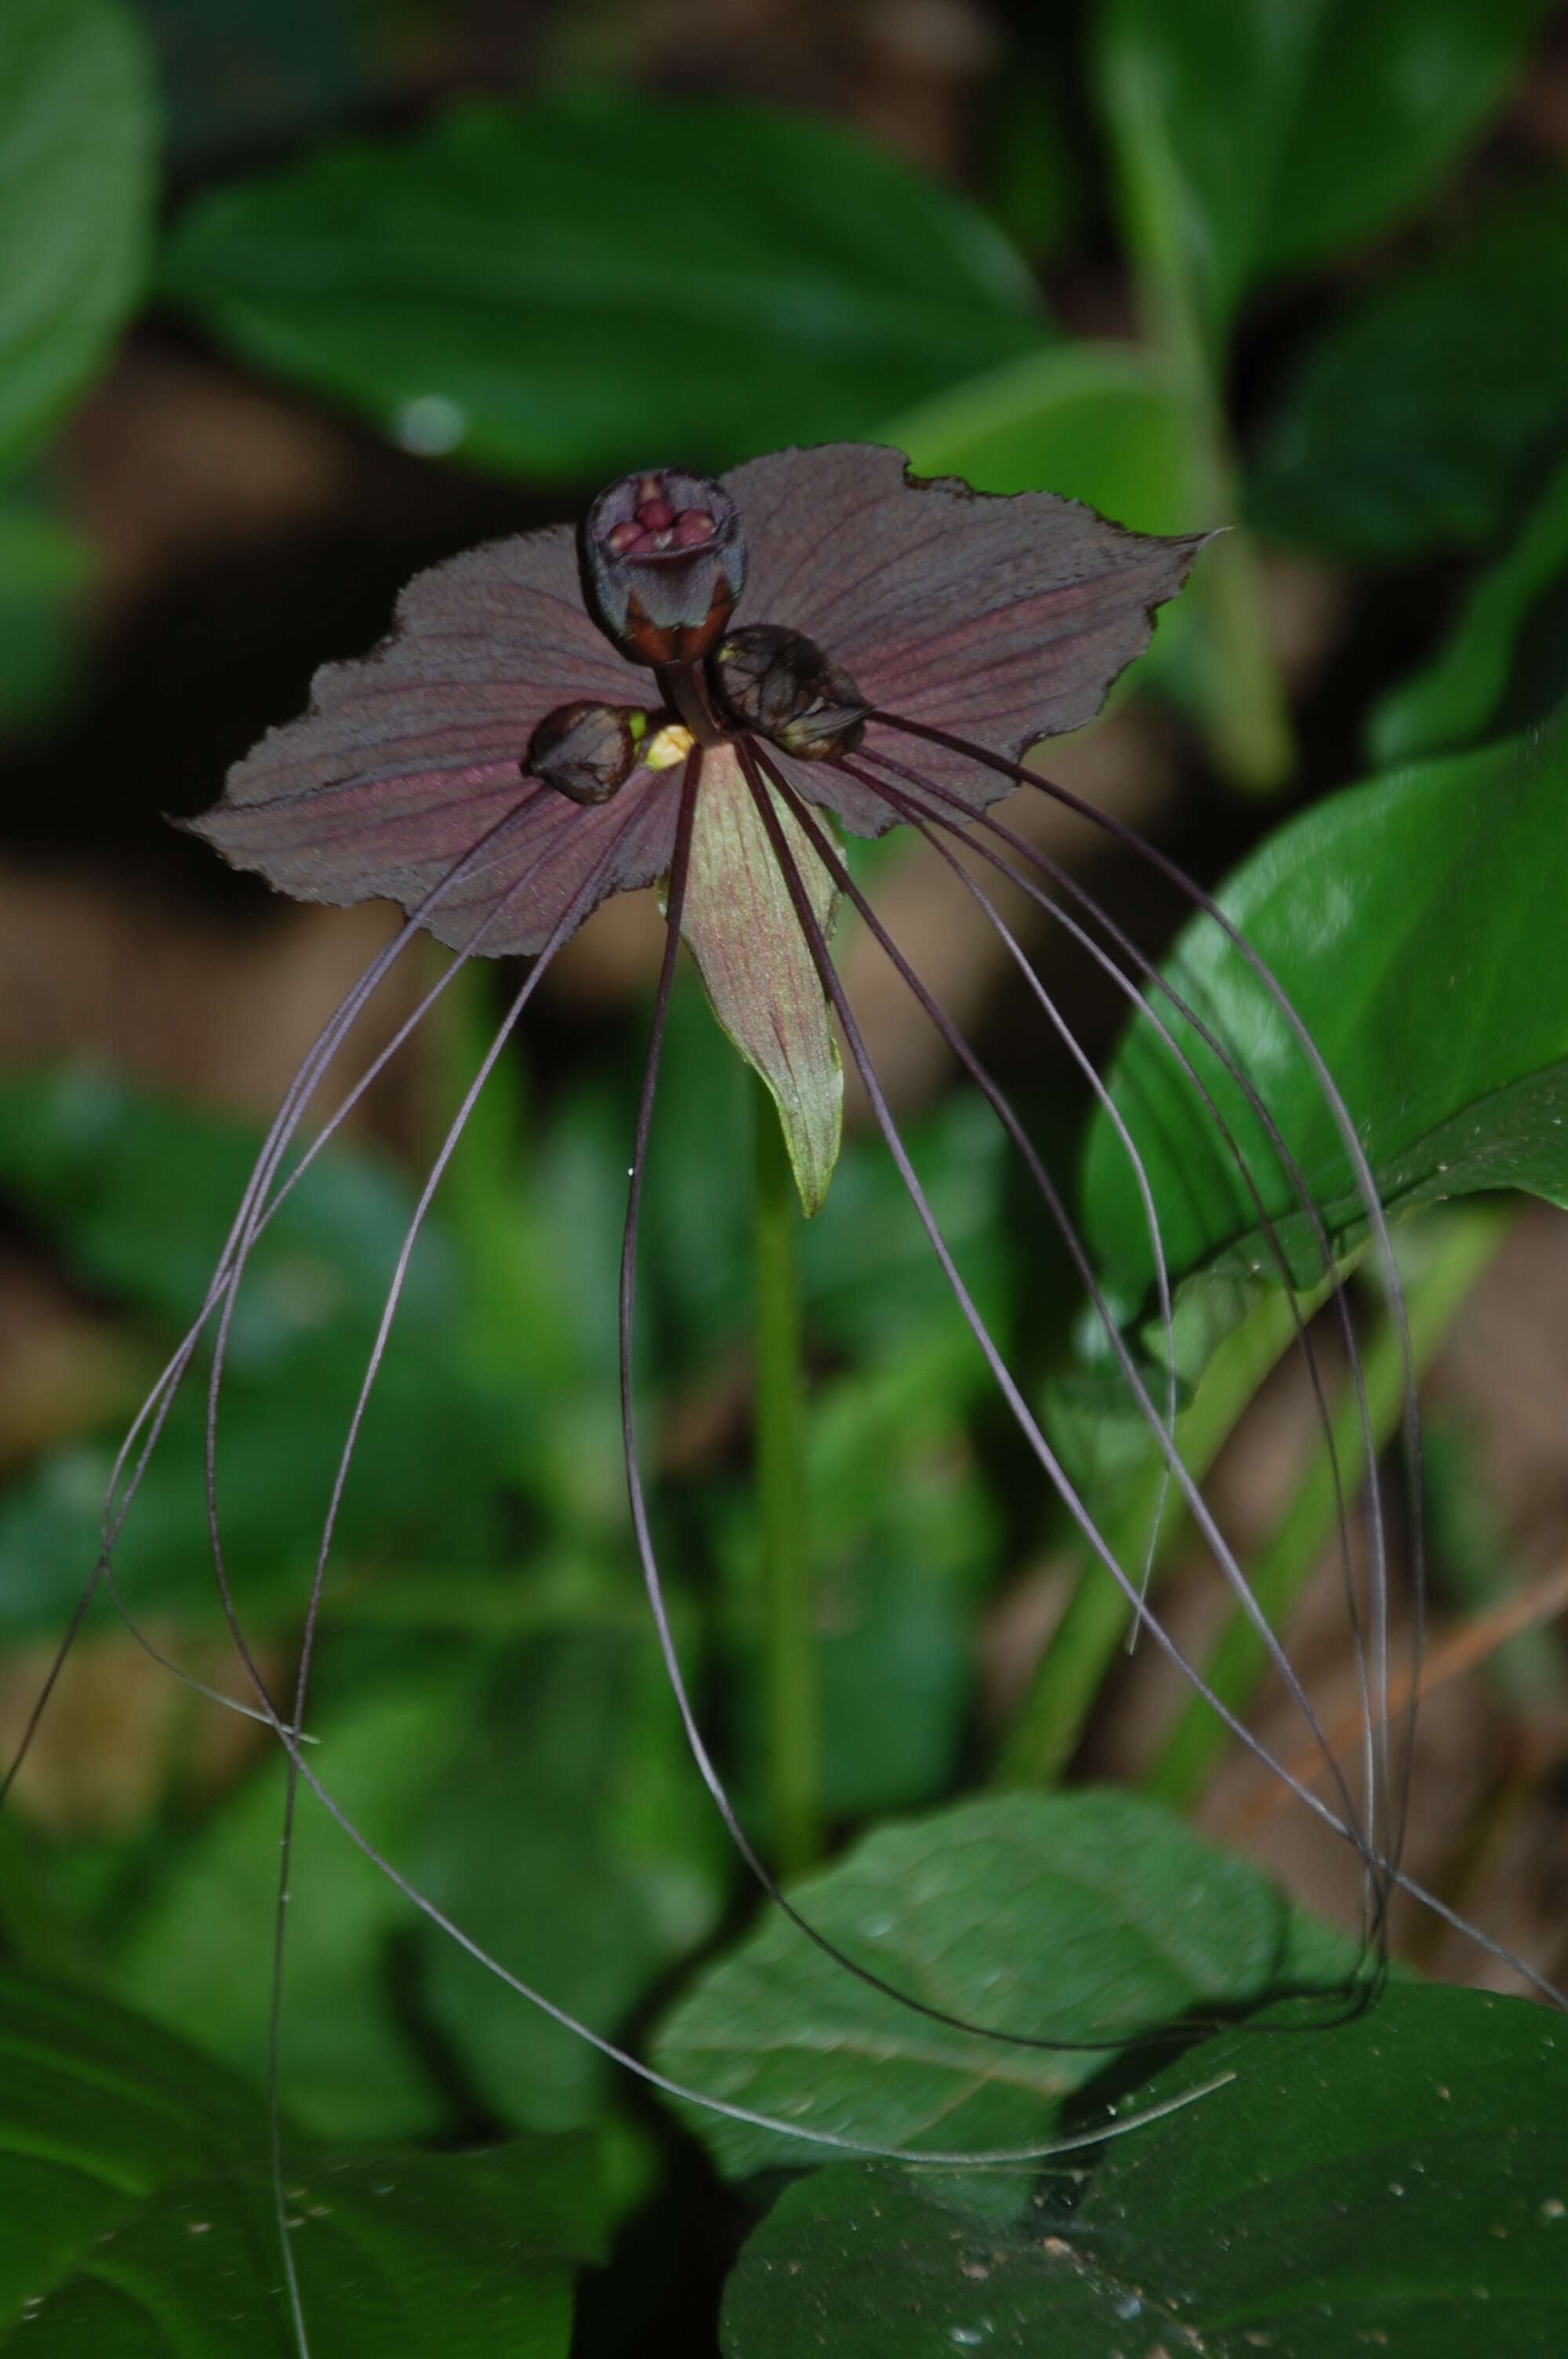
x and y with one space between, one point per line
1098 422
1085 1916
577 1776
1415 925
77 124
552 290
138 1194
1394 2184
1428 414
1454 697
198 1953
1252 139
136 2213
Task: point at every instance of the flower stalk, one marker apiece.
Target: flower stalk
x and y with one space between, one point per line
792 1712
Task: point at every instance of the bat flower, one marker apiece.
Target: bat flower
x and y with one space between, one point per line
697 691
715 650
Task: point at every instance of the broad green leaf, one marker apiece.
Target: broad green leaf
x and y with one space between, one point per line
77 124
43 571
1415 925
1392 2184
97 2110
1084 1916
572 1837
552 289
1454 698
138 1194
1252 139
198 1953
1429 414
138 2213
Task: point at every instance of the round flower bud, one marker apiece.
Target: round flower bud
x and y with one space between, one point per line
664 560
586 751
780 684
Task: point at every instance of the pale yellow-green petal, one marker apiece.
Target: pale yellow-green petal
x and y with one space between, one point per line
742 927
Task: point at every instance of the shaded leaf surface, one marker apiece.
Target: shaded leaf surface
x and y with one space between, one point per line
1395 2183
136 1195
552 290
1426 417
1397 918
137 2212
1454 698
612 1864
1254 139
77 129
1085 1916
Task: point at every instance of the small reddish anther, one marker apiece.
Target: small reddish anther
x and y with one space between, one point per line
622 536
655 515
692 525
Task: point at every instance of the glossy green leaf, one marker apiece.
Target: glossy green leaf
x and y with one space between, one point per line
1429 414
1394 2184
138 2216
1087 1916
552 288
1252 139
1453 699
1415 924
78 126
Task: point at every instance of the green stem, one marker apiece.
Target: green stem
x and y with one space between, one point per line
1243 696
790 1708
1463 1245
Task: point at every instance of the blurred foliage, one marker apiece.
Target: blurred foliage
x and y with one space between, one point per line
1278 272
504 289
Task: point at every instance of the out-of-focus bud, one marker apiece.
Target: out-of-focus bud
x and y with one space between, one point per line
664 560
780 684
586 751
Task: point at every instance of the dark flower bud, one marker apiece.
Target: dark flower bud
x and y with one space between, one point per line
664 560
586 751
780 684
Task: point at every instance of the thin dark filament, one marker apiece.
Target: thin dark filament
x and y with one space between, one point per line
1064 882
1113 1114
1004 1379
565 925
1371 1202
1396 1874
1001 2158
159 1401
1197 1505
920 815
654 1583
